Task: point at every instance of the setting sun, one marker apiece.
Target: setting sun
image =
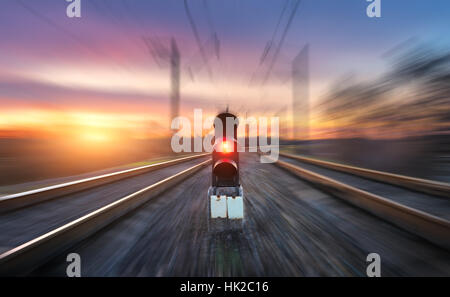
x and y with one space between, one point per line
95 136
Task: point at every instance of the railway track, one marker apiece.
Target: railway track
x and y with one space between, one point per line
417 205
292 229
431 187
27 198
64 206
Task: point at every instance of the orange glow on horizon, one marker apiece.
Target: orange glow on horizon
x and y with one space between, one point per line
84 126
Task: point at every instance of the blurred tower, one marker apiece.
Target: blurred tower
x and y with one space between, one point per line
281 114
300 94
175 80
167 54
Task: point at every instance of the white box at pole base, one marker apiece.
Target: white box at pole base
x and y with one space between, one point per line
218 207
235 207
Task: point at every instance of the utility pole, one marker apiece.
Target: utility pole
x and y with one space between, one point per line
300 94
166 54
175 80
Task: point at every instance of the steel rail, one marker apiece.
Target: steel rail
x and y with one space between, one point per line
432 228
417 184
23 199
26 257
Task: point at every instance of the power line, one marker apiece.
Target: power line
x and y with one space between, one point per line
270 43
208 16
197 38
66 32
55 25
280 44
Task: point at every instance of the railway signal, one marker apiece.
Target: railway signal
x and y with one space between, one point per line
226 195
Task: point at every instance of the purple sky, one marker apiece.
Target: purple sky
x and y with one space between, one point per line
100 62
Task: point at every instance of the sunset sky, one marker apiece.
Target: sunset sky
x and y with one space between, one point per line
94 77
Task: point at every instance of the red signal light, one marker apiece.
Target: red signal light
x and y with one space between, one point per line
226 147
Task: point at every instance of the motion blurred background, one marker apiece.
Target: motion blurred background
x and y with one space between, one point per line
84 94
